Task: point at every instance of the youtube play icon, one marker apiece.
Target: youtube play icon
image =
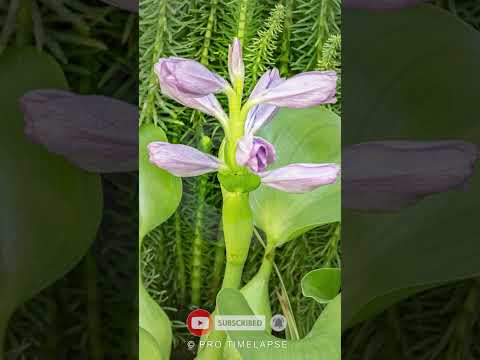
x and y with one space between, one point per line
199 322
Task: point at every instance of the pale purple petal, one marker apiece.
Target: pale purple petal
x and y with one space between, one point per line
255 153
391 175
303 90
300 178
236 67
206 104
96 133
261 114
380 4
182 160
130 5
188 77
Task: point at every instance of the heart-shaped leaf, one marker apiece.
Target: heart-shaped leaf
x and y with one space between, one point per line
160 194
299 136
323 342
406 82
322 284
159 191
148 347
50 210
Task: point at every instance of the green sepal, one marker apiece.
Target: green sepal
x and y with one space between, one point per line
239 181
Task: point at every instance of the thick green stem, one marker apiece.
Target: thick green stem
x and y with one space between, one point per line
238 231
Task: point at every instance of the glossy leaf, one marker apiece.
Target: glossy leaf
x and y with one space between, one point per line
322 284
299 136
322 343
50 210
160 192
410 84
148 347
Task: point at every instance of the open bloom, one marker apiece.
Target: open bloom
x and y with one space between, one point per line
96 133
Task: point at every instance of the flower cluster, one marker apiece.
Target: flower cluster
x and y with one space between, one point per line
193 85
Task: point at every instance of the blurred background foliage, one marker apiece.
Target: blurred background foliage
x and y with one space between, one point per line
97 46
90 312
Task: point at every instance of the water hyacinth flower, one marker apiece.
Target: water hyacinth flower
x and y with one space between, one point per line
236 68
300 91
191 84
96 133
391 175
255 153
182 160
300 178
130 5
261 114
187 78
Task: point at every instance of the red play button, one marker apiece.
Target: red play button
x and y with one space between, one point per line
199 322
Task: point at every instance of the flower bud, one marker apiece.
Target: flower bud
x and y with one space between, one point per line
300 178
236 68
390 175
187 77
255 153
182 160
96 133
301 91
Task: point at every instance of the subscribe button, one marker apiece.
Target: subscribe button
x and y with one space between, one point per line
240 322
199 322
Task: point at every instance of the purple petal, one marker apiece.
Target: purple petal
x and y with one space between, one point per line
130 5
261 114
236 67
300 178
207 104
96 133
302 90
187 77
255 153
182 160
380 4
390 175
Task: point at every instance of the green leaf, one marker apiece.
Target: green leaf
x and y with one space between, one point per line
322 343
154 320
160 192
148 347
50 210
322 284
299 136
393 256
